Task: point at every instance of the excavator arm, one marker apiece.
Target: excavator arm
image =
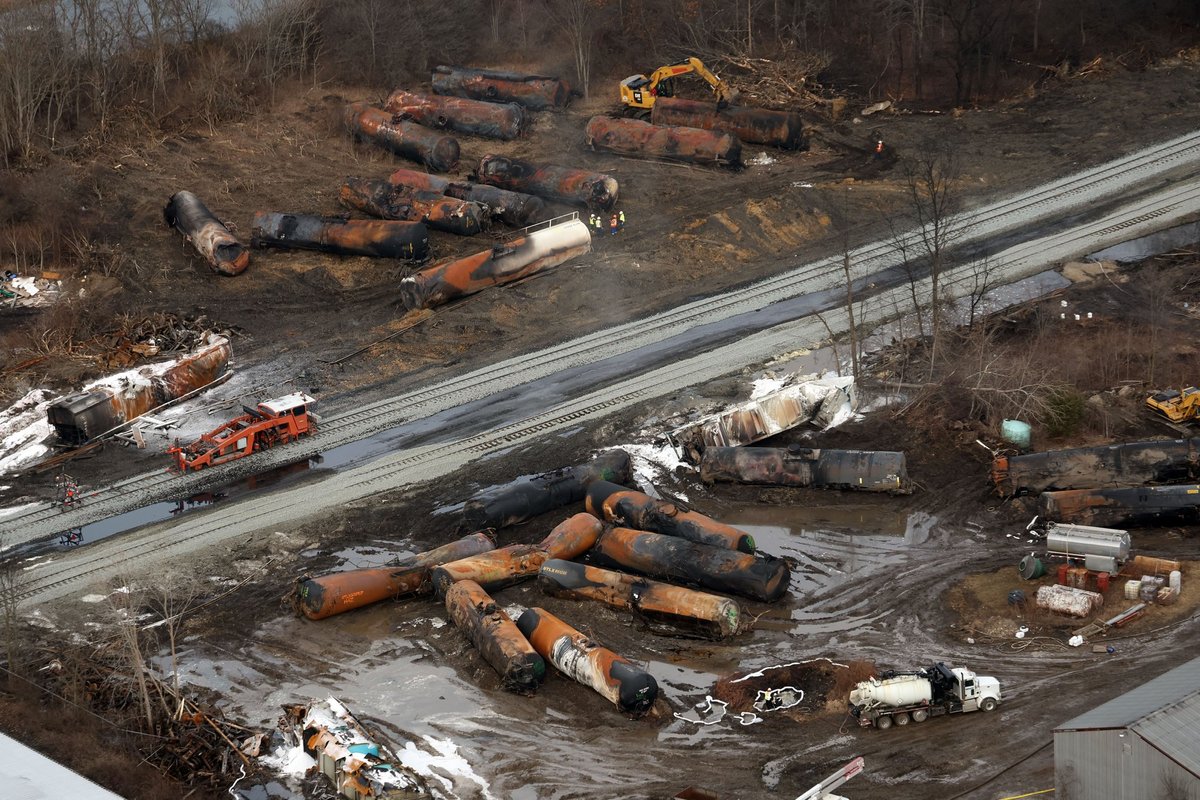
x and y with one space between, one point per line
640 91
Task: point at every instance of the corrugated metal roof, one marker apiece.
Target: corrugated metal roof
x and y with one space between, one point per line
26 774
1175 731
1168 689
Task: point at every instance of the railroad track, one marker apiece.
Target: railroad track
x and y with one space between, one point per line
113 557
1022 211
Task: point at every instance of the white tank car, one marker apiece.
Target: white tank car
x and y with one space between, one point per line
903 690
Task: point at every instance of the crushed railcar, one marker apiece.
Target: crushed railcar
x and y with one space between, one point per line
1105 466
84 416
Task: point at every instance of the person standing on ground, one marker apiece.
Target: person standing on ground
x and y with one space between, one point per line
612 225
621 218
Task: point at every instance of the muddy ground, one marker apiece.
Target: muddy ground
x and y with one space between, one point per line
874 577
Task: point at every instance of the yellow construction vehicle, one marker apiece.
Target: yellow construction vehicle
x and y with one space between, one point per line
638 92
1182 406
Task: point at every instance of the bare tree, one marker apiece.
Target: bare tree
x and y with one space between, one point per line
578 19
12 581
124 603
930 181
171 599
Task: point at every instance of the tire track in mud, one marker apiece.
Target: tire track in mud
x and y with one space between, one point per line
434 460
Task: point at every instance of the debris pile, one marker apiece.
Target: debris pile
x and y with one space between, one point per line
28 291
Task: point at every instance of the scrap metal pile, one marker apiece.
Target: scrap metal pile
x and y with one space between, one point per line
676 569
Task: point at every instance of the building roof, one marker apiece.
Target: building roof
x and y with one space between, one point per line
26 774
1175 732
1170 702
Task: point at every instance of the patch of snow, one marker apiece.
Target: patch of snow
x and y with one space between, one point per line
801 185
23 426
92 598
514 611
4 512
445 759
765 385
291 762
761 160
437 622
652 463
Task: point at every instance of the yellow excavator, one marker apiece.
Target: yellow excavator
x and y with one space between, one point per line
1181 406
638 92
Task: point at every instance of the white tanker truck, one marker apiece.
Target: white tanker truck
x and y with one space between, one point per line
903 697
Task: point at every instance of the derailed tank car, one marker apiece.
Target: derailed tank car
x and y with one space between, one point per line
81 417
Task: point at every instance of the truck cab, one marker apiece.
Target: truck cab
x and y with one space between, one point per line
974 691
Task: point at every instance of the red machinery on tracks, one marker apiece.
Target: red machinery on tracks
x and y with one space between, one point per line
271 423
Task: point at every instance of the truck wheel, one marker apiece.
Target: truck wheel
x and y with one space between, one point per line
883 723
920 715
902 719
988 704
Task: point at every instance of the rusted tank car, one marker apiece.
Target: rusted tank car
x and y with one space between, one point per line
517 258
861 470
634 137
536 92
511 208
523 499
761 577
392 201
633 509
1113 465
224 253
666 608
752 125
1128 507
81 417
405 139
338 592
351 237
563 184
631 689
570 539
493 120
496 637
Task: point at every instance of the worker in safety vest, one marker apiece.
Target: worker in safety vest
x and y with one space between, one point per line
598 222
621 218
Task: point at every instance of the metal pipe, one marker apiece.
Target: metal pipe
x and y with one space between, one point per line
632 509
751 125
513 260
861 470
392 201
405 139
760 577
632 689
81 417
563 184
224 253
1113 465
666 608
511 208
494 120
1142 505
507 565
526 498
496 637
355 237
633 137
535 92
338 592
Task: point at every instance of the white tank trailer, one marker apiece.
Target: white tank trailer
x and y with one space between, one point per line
899 698
1081 541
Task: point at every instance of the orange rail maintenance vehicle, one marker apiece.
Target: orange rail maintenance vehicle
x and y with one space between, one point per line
272 422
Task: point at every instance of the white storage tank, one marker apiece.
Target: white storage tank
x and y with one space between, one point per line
1080 541
902 690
